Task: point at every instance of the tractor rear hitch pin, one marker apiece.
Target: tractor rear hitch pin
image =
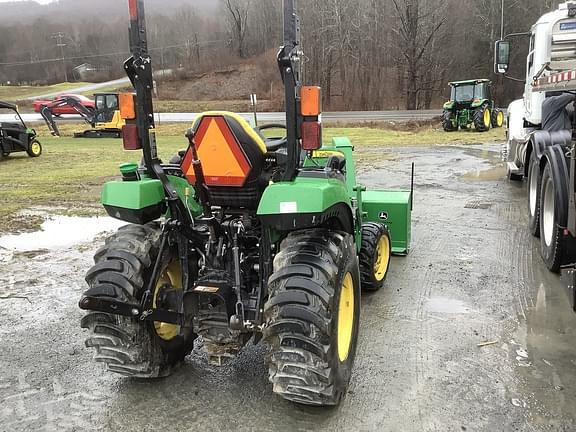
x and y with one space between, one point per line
145 314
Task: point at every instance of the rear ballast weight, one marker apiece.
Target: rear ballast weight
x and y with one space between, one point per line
243 238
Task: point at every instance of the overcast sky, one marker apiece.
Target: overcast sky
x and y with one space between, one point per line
37 1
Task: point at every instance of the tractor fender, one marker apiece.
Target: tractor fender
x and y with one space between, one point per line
479 103
307 202
337 217
556 158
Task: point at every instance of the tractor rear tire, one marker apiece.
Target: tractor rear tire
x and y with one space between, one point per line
34 148
375 255
447 123
534 185
127 345
553 210
497 118
312 316
482 118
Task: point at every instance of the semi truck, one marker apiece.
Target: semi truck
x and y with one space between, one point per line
547 159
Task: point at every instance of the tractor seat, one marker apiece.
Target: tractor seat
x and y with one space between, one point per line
232 156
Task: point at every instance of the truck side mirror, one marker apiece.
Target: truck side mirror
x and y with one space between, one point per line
501 57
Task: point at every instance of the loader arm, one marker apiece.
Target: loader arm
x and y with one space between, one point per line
47 114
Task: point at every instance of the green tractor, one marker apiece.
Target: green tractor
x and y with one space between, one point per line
240 238
470 105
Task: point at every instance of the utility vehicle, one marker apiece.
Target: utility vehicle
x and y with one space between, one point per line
244 239
16 136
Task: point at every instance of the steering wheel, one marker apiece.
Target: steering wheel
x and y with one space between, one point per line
273 143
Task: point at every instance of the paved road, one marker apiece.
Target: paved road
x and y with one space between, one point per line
273 117
90 87
85 88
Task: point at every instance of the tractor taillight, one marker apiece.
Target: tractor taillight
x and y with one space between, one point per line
311 135
130 137
127 105
133 9
310 101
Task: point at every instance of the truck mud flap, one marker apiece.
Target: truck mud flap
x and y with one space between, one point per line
568 277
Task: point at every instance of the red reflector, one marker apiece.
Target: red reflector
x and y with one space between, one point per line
130 137
133 8
311 135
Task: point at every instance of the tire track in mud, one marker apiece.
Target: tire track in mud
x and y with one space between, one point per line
50 407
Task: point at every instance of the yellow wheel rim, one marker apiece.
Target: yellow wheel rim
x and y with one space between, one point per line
500 119
382 258
345 317
487 118
35 148
171 275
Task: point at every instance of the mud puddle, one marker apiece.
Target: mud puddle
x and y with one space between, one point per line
59 232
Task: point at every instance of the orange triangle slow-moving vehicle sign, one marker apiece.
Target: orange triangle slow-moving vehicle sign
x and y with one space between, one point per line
222 158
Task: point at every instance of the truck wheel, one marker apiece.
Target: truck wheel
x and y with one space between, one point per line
448 121
497 120
34 148
553 205
123 267
312 316
482 118
374 255
534 185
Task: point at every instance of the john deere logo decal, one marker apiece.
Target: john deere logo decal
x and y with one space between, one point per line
383 216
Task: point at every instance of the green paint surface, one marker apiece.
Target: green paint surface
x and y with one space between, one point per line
392 208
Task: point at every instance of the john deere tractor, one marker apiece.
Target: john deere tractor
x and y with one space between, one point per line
470 105
240 239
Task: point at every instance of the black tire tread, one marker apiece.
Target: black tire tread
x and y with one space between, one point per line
555 255
125 345
494 118
447 122
371 233
298 331
478 118
534 222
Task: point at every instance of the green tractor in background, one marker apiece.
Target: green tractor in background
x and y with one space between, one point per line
241 239
471 104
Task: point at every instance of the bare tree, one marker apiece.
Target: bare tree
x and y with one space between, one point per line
419 23
237 13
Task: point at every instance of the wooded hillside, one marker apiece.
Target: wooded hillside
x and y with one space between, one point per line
366 54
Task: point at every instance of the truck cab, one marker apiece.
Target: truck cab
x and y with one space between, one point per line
552 49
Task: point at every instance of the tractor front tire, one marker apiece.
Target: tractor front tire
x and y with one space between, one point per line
482 118
312 316
497 120
447 122
128 346
375 255
34 148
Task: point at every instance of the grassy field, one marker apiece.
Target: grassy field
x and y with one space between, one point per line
69 174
